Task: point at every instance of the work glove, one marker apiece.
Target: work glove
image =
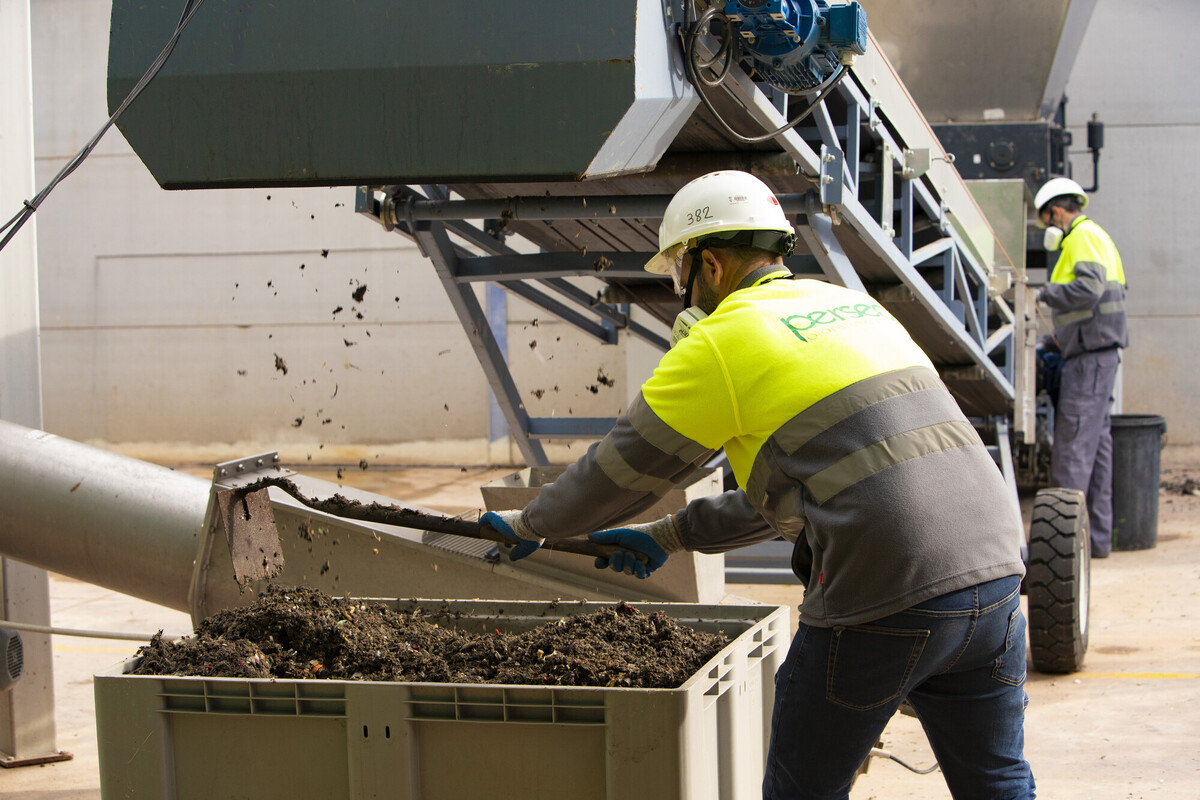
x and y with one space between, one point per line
653 541
511 524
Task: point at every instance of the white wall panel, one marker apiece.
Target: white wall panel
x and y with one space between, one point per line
162 312
221 384
1147 199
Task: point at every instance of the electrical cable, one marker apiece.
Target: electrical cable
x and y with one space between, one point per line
695 73
881 753
29 207
725 52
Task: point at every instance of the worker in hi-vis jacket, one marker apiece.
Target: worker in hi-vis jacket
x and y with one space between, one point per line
845 442
1086 293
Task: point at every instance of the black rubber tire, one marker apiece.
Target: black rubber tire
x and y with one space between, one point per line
1058 580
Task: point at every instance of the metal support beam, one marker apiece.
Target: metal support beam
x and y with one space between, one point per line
816 231
1001 336
931 251
887 191
970 310
610 318
548 304
619 206
1024 361
1008 470
853 146
496 300
570 427
906 218
436 243
541 266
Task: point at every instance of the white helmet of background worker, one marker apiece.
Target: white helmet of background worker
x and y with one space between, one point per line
722 202
1058 187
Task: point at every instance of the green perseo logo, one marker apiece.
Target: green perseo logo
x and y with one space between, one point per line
799 324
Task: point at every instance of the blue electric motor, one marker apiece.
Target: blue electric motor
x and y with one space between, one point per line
796 45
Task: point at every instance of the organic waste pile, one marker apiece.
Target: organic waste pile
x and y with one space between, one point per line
304 633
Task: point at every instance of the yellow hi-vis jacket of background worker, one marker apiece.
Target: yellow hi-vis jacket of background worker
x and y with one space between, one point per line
841 436
1086 292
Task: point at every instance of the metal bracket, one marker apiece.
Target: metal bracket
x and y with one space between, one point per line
833 162
916 162
887 182
239 472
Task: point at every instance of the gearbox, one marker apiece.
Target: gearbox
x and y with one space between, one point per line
796 45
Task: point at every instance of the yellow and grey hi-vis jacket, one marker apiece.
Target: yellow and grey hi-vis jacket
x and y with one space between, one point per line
1086 291
841 436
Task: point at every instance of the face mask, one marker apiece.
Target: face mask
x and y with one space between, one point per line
1052 238
684 322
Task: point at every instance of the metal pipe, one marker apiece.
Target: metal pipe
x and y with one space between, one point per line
85 634
616 206
99 517
539 208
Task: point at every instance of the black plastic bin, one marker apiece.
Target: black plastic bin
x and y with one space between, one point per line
1137 465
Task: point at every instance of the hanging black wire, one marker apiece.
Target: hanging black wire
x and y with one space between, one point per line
29 207
726 56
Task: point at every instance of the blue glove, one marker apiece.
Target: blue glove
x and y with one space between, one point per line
511 525
653 541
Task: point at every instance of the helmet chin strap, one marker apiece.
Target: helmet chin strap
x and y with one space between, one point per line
750 279
691 279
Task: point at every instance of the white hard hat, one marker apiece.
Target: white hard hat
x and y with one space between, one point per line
718 202
1059 187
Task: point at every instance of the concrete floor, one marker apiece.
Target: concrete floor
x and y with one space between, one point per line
1125 727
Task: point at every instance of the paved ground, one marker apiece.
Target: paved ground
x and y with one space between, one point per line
1126 727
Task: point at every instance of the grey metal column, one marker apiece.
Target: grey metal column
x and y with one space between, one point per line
27 732
497 315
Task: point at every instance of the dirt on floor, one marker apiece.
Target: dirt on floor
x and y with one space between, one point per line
1180 481
298 632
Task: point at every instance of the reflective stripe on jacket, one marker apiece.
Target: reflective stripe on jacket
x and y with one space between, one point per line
1086 292
842 437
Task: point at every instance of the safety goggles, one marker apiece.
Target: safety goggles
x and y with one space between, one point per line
680 256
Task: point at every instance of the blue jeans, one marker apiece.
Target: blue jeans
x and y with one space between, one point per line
959 659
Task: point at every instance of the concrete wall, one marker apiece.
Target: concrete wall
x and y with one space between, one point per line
1137 68
164 313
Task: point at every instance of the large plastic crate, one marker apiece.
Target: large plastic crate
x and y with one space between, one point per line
194 737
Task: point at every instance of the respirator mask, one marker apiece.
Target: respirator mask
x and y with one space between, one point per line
1052 238
1054 234
783 243
691 314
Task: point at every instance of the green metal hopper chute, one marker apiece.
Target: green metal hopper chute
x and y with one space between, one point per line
299 92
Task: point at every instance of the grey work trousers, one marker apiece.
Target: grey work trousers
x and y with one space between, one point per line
1083 451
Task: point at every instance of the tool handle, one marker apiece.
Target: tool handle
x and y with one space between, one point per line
339 506
582 547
